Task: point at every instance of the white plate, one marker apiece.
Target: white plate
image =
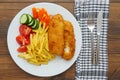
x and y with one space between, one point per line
56 66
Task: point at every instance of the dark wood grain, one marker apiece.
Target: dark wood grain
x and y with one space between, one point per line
33 1
55 1
10 71
114 41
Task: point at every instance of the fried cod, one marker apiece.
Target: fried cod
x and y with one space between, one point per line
61 37
56 34
69 41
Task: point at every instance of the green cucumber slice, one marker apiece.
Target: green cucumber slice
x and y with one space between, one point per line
29 18
31 23
36 25
23 19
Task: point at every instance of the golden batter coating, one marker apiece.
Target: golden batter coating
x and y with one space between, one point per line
69 41
56 35
61 37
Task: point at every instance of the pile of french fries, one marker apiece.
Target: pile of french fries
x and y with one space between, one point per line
38 50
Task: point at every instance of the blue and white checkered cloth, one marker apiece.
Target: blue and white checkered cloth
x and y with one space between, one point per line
85 70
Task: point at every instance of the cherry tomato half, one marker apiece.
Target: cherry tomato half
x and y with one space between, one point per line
22 40
22 49
25 30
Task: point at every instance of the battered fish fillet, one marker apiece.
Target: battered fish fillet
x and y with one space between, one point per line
69 41
56 35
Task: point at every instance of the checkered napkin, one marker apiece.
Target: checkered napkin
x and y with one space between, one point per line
85 70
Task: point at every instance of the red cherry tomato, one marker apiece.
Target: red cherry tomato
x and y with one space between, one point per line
22 49
19 39
22 40
25 30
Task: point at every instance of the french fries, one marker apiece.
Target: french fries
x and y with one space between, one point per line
38 50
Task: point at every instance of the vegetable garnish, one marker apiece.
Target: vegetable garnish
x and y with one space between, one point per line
35 12
25 30
41 14
23 39
29 21
33 37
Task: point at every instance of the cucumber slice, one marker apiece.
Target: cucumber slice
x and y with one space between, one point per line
36 25
29 18
31 23
23 19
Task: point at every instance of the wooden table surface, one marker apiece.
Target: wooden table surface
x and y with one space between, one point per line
10 71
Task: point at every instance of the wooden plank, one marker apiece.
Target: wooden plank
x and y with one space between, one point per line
114 71
6 6
114 58
113 8
113 49
19 6
35 1
114 66
114 29
115 1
